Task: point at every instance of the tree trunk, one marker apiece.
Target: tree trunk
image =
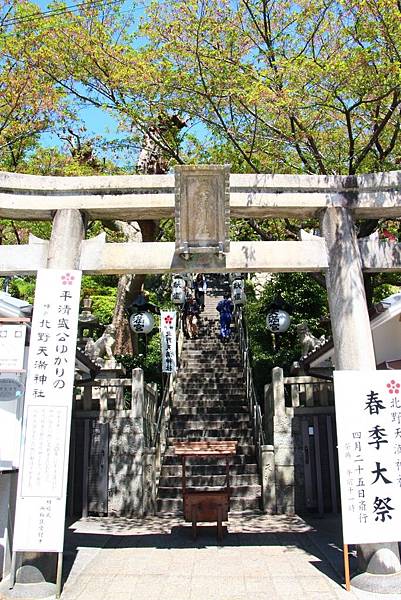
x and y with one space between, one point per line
129 286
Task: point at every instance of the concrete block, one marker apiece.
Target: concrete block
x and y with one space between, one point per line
285 476
284 456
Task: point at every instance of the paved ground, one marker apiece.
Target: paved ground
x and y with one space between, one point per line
261 557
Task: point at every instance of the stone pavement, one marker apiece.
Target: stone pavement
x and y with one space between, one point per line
261 557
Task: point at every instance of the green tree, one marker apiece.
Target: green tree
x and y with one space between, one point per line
308 303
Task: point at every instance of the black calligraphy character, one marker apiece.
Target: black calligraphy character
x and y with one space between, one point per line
62 337
377 433
40 379
43 337
379 473
45 324
65 295
58 360
63 323
382 508
42 350
374 404
398 432
40 364
59 384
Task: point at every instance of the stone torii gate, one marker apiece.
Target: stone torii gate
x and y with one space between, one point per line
69 202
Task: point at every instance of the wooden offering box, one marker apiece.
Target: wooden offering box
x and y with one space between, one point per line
206 504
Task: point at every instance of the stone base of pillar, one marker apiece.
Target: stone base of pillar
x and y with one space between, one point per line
378 584
268 479
29 583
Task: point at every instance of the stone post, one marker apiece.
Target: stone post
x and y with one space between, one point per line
353 350
268 479
283 444
278 391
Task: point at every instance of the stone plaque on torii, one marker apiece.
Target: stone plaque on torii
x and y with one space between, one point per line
202 209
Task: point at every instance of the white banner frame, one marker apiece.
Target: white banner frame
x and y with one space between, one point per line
168 339
368 415
42 482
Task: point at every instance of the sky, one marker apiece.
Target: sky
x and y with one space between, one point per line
96 121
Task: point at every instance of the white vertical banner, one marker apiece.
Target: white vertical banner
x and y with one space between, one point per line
168 336
42 482
368 415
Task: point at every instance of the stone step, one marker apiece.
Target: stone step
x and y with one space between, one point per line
197 436
207 469
215 395
238 491
209 480
206 348
202 403
216 429
209 385
202 420
170 459
218 411
214 360
211 380
210 370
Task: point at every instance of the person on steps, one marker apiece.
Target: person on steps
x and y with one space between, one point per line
191 317
200 288
225 308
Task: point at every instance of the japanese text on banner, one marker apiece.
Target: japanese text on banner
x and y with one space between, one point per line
168 341
368 414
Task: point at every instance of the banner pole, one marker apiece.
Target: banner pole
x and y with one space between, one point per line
346 568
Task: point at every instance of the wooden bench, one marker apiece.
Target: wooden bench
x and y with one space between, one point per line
207 505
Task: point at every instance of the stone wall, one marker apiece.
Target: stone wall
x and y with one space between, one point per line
126 472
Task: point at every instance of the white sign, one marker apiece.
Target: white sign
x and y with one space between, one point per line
12 347
168 340
368 415
42 483
11 406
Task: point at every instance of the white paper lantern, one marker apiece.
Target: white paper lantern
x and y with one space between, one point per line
178 283
178 296
238 297
142 322
237 292
278 321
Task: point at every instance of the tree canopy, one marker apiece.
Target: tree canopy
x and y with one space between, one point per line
282 86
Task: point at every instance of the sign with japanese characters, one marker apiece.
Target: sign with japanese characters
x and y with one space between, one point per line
168 341
42 483
368 415
12 346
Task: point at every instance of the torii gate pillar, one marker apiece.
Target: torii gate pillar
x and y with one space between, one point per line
353 349
68 231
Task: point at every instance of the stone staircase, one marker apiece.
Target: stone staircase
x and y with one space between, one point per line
210 404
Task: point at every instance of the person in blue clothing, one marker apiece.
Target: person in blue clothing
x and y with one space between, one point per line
225 308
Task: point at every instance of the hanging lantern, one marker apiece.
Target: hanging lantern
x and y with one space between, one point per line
142 322
178 283
178 290
178 296
238 295
278 320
